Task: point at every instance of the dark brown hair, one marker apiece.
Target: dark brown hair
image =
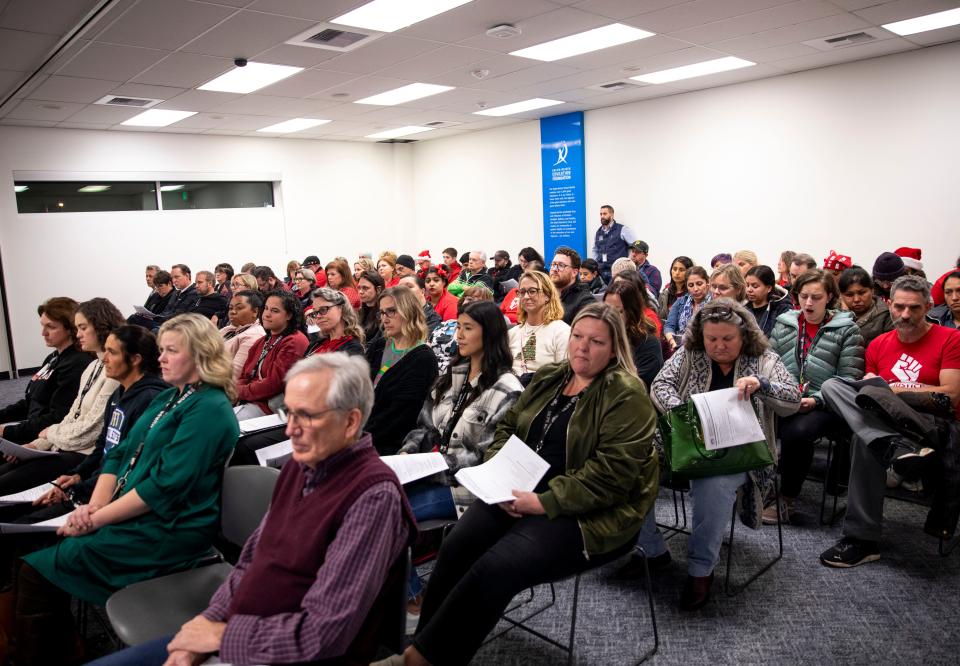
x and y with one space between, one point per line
103 316
61 309
825 278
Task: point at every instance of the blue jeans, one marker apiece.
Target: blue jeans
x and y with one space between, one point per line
151 653
712 498
429 501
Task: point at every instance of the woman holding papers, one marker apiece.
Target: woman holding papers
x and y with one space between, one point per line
816 343
591 420
462 411
155 508
540 336
74 437
723 348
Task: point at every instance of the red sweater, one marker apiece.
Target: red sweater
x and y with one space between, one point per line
282 354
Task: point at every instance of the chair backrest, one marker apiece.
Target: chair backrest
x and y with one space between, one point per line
393 626
247 490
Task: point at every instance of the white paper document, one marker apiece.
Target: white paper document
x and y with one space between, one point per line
414 466
275 455
143 312
46 526
22 452
261 423
725 420
515 467
26 496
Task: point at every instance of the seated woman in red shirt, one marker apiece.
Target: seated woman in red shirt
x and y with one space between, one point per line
435 284
261 381
339 278
339 328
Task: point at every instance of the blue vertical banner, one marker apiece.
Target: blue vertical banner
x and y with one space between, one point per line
564 184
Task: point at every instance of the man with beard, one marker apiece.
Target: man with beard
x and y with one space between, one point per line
565 275
918 356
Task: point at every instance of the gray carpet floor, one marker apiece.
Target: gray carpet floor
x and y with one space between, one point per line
903 609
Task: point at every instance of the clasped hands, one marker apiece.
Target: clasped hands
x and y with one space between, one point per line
81 521
196 639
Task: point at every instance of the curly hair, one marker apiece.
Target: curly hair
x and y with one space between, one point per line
754 341
103 316
204 344
554 308
348 316
293 308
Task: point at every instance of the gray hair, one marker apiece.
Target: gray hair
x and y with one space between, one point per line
350 386
482 254
307 273
754 341
622 265
911 283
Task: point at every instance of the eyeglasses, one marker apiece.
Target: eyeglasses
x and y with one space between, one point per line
300 278
324 309
301 419
560 266
532 291
389 313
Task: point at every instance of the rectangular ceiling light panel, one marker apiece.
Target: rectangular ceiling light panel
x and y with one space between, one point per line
92 189
253 76
519 107
404 94
294 125
158 118
584 42
391 15
936 21
400 131
696 69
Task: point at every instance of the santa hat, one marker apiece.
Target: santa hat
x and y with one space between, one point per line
424 256
910 256
837 262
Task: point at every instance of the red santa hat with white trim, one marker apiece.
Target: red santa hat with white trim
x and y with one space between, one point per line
424 256
910 256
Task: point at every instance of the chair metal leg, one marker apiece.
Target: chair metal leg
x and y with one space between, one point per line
679 525
518 624
834 514
653 613
573 622
737 589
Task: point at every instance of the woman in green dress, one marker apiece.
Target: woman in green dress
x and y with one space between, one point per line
155 509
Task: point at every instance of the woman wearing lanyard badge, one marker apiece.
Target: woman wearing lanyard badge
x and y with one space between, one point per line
155 508
816 343
461 412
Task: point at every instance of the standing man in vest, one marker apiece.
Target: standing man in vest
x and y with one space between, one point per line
310 583
610 242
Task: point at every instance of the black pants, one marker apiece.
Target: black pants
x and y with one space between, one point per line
486 560
43 625
798 434
26 474
245 452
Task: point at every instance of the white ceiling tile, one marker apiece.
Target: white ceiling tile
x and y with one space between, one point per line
774 53
433 63
248 123
258 105
22 122
679 58
37 110
23 51
497 65
475 17
542 28
99 113
296 56
114 63
450 97
148 91
203 121
801 32
690 14
72 89
936 36
198 100
767 19
380 53
525 77
185 70
726 78
90 126
625 53
51 17
848 54
621 9
470 100
343 111
900 10
307 9
164 25
851 5
365 86
308 82
10 79
63 56
247 34
424 116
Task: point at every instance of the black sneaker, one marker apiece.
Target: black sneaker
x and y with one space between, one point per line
633 569
850 552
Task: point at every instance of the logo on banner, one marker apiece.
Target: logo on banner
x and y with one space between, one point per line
562 153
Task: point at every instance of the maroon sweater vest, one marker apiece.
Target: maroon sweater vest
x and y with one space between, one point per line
295 537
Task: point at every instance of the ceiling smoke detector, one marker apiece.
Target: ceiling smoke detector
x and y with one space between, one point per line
504 31
480 74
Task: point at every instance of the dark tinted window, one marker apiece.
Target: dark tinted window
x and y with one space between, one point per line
183 196
80 196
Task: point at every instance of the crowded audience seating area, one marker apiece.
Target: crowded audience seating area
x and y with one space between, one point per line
404 399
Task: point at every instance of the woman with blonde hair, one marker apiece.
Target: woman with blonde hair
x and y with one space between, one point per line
156 505
540 336
744 260
402 368
243 282
363 265
726 281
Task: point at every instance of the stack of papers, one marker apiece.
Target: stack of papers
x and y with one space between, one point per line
275 455
27 496
261 423
51 525
515 467
414 466
143 312
725 420
22 452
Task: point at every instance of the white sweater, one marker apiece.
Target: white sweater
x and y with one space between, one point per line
547 342
79 429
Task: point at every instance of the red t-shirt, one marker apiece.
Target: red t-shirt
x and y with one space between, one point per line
446 307
510 305
916 363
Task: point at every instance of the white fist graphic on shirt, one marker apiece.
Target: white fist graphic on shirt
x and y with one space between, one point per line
907 369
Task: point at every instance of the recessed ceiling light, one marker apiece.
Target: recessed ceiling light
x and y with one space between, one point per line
390 15
20 188
90 189
294 125
253 76
518 107
584 42
404 94
924 23
696 69
171 188
158 118
400 131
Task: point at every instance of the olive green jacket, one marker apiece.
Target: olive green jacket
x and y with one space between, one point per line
611 479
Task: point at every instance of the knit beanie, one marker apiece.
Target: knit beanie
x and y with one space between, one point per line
406 260
910 257
888 267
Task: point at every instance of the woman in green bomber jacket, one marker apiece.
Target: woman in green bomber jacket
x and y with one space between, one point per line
591 419
816 343
156 506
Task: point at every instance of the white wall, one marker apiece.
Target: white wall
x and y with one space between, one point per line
861 158
327 191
